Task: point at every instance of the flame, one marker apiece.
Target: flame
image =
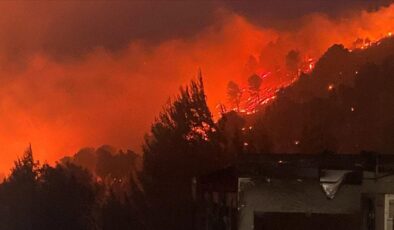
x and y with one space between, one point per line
360 32
250 105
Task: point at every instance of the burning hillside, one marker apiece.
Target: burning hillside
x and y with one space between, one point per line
248 100
344 105
67 77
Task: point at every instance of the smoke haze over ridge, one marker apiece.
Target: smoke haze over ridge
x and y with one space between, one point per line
85 74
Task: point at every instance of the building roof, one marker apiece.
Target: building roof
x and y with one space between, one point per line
296 166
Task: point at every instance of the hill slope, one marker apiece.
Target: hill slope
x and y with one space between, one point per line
345 105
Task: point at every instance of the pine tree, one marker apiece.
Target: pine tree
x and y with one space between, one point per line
19 194
254 82
234 94
183 143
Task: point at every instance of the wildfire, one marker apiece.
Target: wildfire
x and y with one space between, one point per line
251 104
200 132
307 66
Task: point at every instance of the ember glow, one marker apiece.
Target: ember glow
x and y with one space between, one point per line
251 104
98 95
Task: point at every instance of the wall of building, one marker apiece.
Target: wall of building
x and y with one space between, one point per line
305 196
380 190
384 184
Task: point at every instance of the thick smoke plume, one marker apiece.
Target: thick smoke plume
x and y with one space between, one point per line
62 90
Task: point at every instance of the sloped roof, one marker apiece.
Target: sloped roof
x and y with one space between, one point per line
296 166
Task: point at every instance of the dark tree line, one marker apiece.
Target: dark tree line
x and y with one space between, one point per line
106 189
45 197
65 196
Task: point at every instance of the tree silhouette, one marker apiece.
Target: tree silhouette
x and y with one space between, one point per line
230 126
254 83
116 214
293 60
234 94
34 197
86 157
128 212
18 195
67 198
184 142
104 164
185 131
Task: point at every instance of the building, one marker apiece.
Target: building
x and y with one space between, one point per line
298 191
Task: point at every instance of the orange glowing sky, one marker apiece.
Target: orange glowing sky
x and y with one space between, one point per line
62 90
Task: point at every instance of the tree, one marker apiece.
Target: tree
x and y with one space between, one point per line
127 212
254 82
18 197
116 214
104 164
234 94
293 61
34 197
184 142
183 132
230 126
86 158
258 138
68 198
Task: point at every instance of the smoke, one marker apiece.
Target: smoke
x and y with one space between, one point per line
70 29
67 82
